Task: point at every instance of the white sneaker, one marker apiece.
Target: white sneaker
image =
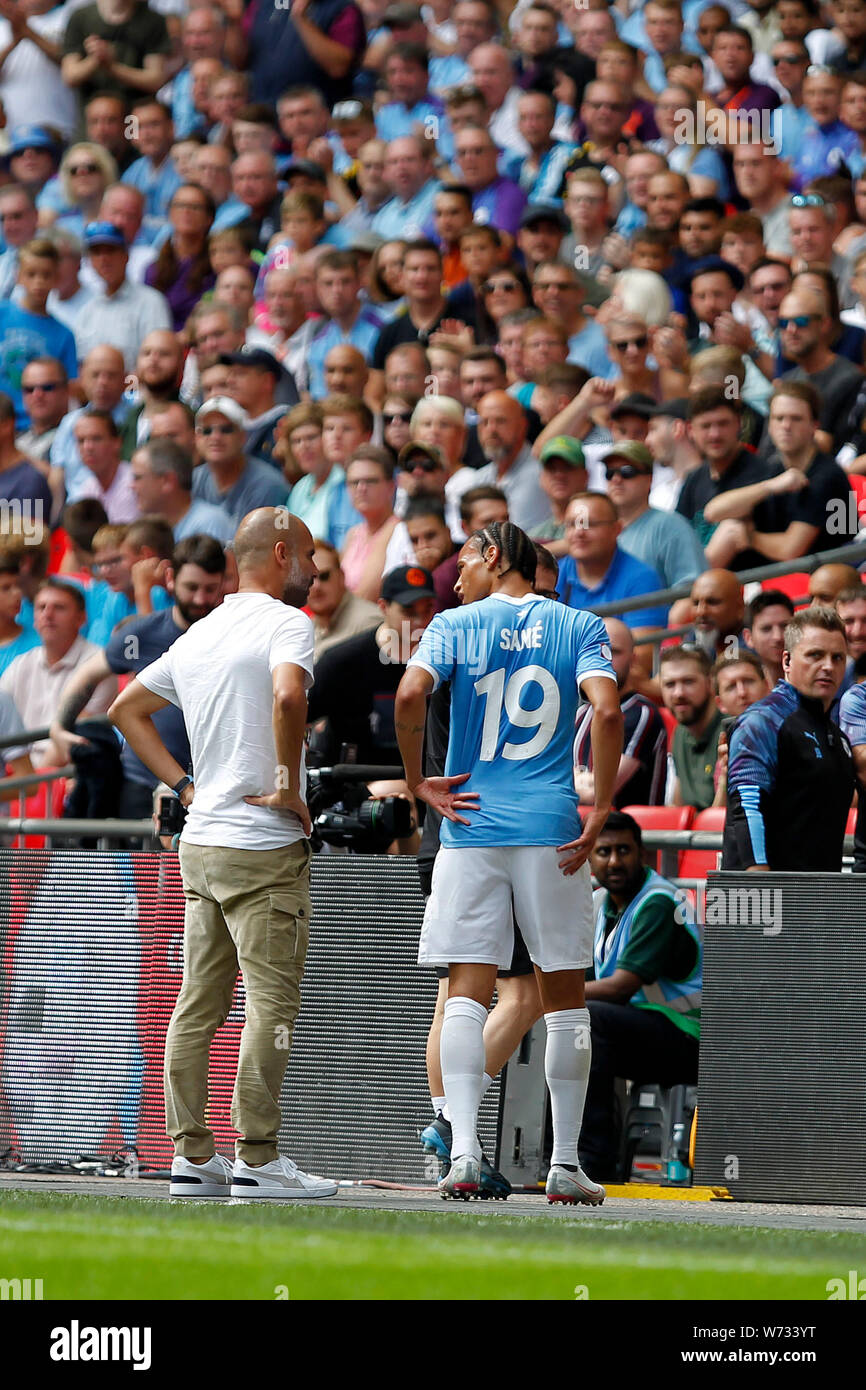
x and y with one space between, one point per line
280 1178
564 1186
211 1179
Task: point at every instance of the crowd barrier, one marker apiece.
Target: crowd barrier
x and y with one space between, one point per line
91 946
91 952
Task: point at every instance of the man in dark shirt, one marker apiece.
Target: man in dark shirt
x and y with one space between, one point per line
104 42
807 330
791 775
356 680
641 777
803 505
714 428
645 1000
196 581
425 304
20 483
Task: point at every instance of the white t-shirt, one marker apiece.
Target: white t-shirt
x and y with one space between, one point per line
220 673
31 87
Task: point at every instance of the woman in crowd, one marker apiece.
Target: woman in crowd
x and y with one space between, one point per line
182 270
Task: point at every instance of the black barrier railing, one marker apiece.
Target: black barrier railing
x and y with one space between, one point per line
37 735
805 564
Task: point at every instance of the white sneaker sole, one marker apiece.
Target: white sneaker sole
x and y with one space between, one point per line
259 1190
194 1188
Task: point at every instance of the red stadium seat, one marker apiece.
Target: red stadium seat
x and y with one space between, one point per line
858 487
697 863
662 817
796 586
851 823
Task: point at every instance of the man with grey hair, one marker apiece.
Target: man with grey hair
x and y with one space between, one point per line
162 484
409 175
254 182
493 75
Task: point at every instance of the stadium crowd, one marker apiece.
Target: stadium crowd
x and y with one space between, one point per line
405 272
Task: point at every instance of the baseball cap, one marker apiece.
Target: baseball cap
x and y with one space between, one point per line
633 452
305 166
223 405
366 241
563 447
544 212
407 583
401 16
676 409
252 357
635 403
31 137
707 264
104 234
414 448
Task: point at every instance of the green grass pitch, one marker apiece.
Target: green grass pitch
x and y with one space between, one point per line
133 1248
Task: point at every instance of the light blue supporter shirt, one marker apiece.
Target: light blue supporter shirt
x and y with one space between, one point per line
514 665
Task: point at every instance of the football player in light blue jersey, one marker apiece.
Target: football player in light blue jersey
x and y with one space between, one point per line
516 663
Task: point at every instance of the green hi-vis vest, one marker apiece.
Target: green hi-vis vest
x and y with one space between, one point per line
679 999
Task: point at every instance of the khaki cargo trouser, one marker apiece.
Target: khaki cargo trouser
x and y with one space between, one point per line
247 909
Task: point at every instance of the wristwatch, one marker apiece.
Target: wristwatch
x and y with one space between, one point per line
181 785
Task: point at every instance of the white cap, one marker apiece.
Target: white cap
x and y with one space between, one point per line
224 405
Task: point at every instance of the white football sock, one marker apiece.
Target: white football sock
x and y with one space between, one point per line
567 1060
462 1054
438 1104
486 1083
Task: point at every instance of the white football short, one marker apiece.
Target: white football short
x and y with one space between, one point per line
469 912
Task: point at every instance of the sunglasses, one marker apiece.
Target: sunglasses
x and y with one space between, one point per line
506 285
799 321
207 430
403 415
548 593
41 386
84 169
323 576
626 471
426 465
788 58
639 343
807 200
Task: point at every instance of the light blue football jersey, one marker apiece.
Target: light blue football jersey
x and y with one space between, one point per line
514 665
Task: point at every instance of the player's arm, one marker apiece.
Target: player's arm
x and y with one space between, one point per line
76 695
617 988
606 734
410 712
290 725
132 713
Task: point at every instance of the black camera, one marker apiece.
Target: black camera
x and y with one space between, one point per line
171 815
344 814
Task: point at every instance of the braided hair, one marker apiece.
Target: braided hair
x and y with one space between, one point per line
515 548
